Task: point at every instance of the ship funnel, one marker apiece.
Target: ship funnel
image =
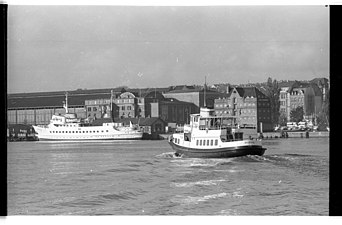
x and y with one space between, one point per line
205 112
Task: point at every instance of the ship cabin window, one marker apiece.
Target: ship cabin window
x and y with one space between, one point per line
208 142
238 136
211 142
230 137
200 142
73 131
216 142
98 131
196 142
106 130
203 142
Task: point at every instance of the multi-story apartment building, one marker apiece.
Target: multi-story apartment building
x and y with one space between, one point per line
308 96
125 105
249 105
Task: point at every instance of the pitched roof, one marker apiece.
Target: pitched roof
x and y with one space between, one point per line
56 98
247 92
52 100
286 83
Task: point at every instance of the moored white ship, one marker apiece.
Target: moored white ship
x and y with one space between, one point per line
210 136
69 127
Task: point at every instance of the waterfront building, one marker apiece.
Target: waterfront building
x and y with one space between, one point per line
284 98
37 108
308 96
194 95
249 105
128 104
173 111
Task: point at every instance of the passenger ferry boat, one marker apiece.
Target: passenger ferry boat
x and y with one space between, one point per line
210 136
69 127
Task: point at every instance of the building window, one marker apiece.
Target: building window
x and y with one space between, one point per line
89 109
94 109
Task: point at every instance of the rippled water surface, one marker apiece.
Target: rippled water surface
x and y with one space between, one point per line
145 178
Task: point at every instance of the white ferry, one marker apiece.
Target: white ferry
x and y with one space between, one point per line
210 136
69 127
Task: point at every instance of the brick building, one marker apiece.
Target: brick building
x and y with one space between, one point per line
173 110
249 105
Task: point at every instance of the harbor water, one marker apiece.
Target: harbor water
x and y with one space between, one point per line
146 178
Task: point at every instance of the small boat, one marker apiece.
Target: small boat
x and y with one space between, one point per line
211 136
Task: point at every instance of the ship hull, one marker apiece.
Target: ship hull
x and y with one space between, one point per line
99 133
226 152
88 139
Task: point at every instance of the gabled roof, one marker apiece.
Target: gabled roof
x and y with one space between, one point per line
247 92
323 81
298 84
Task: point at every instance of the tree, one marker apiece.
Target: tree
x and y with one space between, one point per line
297 114
273 92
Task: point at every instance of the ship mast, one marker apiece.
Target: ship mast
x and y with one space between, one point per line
111 104
205 87
66 103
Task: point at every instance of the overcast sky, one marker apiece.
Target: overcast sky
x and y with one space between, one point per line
57 48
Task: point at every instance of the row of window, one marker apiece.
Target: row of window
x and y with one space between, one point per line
229 106
91 131
124 100
206 142
201 142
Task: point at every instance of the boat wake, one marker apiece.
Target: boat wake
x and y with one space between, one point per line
168 155
201 162
198 183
